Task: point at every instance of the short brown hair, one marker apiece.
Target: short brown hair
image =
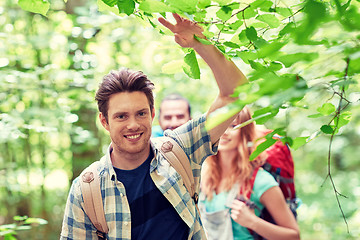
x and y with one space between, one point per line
124 80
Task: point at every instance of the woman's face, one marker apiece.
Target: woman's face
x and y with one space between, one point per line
230 139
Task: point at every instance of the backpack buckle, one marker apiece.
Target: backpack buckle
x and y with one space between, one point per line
196 197
88 177
101 235
166 147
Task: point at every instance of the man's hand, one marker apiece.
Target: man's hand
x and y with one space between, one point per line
184 31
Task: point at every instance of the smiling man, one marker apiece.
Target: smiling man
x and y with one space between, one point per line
143 196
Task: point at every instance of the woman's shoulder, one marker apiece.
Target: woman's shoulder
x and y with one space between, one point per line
264 175
263 181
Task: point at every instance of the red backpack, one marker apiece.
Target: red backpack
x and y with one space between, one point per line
280 165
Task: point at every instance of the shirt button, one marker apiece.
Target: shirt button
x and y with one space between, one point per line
121 195
126 223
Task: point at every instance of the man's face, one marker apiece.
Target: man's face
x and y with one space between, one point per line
173 114
129 122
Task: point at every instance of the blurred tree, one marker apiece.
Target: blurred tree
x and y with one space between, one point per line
302 59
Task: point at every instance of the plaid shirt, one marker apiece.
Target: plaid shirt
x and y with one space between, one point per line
196 143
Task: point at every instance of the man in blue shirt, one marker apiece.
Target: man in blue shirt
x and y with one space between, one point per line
143 195
174 111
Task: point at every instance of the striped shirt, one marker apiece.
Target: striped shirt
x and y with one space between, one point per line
195 141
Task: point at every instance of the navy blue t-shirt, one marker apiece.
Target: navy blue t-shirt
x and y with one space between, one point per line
152 216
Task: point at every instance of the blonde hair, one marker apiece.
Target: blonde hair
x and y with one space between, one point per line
241 167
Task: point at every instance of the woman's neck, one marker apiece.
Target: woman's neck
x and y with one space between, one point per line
225 159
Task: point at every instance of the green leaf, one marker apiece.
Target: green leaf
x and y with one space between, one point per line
285 12
262 147
188 6
251 34
275 66
344 119
191 66
265 113
202 40
153 6
327 129
20 218
231 45
202 4
242 37
263 4
269 49
247 13
315 13
126 6
24 227
247 55
354 67
253 119
236 24
260 43
104 7
270 19
326 109
224 13
110 3
289 28
35 6
36 220
317 115
298 142
222 2
10 237
290 59
256 65
222 114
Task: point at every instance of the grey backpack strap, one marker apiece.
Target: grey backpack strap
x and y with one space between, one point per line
178 159
93 204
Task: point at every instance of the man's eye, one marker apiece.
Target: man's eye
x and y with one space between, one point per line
121 116
141 114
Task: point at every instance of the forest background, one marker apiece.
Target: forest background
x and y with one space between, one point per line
302 59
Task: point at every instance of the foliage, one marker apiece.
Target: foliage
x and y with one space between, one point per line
9 231
271 38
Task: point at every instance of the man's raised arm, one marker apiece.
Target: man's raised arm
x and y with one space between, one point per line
227 75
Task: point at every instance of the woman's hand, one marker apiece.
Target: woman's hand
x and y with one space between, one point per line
242 214
184 31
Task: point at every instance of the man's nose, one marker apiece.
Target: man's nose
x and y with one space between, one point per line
175 121
133 124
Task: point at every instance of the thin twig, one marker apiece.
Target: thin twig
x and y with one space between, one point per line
337 117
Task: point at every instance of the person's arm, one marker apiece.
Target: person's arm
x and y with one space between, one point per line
227 75
286 226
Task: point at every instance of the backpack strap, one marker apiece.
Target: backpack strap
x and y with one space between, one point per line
93 204
247 201
178 159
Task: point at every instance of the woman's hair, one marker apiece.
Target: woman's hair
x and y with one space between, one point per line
124 80
241 170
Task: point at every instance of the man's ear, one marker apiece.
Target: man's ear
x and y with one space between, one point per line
104 121
153 114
